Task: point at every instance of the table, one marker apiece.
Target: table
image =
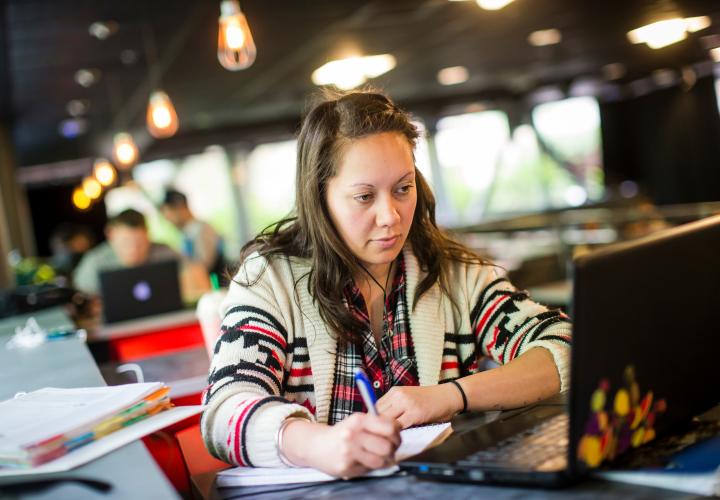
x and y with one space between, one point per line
130 470
404 486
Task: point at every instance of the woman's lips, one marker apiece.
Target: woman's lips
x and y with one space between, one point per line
386 242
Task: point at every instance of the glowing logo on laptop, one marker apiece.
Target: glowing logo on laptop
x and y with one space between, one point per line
142 291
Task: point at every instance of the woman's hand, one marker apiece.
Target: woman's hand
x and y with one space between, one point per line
360 443
412 405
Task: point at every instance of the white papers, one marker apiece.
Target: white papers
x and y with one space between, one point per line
110 442
417 439
414 440
37 416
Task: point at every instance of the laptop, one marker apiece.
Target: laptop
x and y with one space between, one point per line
644 362
141 291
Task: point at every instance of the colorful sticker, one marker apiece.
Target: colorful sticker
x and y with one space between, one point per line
618 422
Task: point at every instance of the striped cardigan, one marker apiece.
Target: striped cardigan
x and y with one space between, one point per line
275 356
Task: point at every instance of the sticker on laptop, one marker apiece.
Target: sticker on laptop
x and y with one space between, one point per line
630 421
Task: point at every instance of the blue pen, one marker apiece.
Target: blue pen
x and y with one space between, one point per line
366 390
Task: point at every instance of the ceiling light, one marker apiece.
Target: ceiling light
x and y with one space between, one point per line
91 187
236 48
77 107
542 38
102 30
350 72
715 54
87 77
664 77
161 119
613 71
667 31
72 127
453 75
104 172
80 199
125 152
128 57
493 4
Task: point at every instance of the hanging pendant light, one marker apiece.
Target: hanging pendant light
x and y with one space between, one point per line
162 120
236 48
104 172
80 199
125 152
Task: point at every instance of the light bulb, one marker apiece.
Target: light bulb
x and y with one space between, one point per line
125 151
104 172
667 31
162 120
80 199
236 48
493 4
92 188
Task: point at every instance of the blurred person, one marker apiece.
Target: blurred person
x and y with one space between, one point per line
128 245
68 243
200 242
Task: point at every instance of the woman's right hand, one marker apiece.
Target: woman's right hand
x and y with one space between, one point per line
360 443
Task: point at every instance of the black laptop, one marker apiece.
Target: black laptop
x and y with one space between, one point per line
644 361
141 291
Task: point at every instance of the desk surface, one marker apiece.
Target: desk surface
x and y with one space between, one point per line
131 470
405 486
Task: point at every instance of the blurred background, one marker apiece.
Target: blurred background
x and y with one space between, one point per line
549 126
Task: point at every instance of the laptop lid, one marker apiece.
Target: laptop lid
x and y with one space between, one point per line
645 340
140 291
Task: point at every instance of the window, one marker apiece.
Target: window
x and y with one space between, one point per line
469 147
269 191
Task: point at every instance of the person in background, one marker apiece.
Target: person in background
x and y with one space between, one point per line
68 243
128 245
200 243
361 277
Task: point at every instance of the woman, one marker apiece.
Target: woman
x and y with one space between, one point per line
362 277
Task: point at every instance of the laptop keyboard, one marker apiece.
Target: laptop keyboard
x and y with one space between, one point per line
542 448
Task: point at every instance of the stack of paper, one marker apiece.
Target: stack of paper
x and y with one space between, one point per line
43 425
414 440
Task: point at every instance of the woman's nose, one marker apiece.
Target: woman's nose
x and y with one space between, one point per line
387 213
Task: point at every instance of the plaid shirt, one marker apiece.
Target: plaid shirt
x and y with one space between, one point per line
392 363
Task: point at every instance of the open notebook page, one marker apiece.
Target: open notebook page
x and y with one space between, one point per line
414 440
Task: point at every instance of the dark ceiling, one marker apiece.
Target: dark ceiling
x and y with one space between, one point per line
44 42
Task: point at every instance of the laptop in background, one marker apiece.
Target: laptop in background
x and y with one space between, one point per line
141 291
645 347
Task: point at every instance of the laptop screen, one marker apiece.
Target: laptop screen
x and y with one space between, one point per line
140 291
645 340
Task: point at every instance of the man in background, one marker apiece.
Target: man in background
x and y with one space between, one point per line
128 245
201 243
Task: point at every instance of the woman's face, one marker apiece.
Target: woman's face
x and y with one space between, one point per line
372 198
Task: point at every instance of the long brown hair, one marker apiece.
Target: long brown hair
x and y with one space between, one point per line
309 233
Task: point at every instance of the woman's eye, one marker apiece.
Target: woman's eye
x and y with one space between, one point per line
405 189
363 197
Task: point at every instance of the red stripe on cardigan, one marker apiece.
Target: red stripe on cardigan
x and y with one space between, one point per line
266 332
238 422
301 372
448 365
485 317
517 344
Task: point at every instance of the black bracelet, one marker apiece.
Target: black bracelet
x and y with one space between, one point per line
462 393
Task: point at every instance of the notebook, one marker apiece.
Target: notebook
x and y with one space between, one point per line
141 291
644 349
414 440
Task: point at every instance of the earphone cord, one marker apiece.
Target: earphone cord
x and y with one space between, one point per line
383 288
